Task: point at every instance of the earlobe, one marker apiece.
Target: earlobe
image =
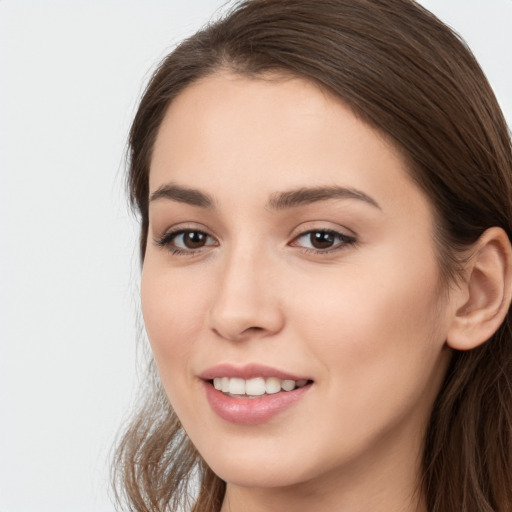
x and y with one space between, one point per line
485 293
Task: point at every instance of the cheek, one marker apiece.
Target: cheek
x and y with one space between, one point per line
361 300
377 329
173 313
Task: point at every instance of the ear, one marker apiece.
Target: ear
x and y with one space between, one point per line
485 294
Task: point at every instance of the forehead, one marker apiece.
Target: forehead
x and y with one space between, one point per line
232 109
280 132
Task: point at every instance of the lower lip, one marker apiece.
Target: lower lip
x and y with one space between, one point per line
251 411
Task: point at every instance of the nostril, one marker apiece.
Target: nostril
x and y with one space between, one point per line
252 332
241 320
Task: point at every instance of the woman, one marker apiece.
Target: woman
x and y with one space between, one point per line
325 192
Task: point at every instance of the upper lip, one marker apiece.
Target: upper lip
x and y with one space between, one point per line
247 371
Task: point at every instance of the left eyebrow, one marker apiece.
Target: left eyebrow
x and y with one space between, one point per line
302 196
180 194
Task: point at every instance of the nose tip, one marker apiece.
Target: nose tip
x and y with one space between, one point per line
237 319
232 331
246 304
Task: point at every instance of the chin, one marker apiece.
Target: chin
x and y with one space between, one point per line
264 467
244 474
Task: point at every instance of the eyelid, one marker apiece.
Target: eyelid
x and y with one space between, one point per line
344 239
322 225
168 236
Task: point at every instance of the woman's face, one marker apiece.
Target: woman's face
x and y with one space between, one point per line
288 248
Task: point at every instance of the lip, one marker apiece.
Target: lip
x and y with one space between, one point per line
250 411
248 371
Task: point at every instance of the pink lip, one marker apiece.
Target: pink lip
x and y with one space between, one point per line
248 371
250 411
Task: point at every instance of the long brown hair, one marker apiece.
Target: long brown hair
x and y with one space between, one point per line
405 73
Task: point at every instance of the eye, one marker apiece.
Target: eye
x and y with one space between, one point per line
322 240
186 241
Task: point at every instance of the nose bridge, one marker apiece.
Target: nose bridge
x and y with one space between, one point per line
246 301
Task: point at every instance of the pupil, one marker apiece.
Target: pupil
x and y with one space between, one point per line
322 240
194 239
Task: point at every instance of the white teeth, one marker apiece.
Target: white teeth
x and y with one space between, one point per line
288 385
256 386
237 386
272 385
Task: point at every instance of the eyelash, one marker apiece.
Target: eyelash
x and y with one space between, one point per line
343 241
167 240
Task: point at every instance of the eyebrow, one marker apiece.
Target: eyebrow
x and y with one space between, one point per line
278 201
190 196
302 196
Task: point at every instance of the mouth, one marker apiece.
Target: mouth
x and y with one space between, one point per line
256 387
252 394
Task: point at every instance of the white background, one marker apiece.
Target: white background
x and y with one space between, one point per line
70 76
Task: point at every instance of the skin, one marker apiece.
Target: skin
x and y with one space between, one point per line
365 320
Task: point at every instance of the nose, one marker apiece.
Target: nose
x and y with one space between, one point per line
246 303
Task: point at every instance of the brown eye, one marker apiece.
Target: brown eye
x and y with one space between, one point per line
322 239
194 239
186 241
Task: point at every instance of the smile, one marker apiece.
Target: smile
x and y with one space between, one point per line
255 387
252 394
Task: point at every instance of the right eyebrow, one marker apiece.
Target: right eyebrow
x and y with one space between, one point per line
305 195
180 194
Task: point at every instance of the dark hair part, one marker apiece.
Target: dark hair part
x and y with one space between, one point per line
405 73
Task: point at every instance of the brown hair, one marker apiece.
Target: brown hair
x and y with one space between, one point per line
405 73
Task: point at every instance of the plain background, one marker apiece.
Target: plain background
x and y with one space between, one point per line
71 73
